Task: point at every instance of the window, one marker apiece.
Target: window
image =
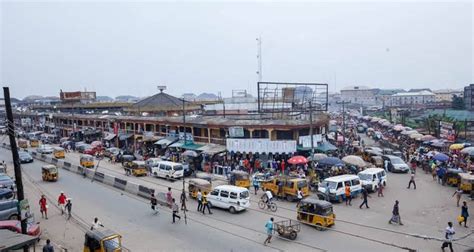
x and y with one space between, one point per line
233 195
215 192
339 185
224 194
355 182
244 194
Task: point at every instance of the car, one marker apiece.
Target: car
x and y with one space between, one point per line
113 151
92 151
45 149
233 198
6 181
83 147
15 226
25 157
396 164
9 210
373 148
6 193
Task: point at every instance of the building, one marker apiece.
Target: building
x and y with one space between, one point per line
163 104
412 99
469 97
77 97
360 95
383 95
446 95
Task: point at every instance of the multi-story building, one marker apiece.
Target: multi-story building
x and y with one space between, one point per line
383 96
359 95
446 95
469 97
412 98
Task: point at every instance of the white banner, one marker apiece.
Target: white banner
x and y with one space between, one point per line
260 146
305 141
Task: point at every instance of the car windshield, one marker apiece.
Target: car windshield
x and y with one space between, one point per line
302 184
326 211
329 184
244 194
363 176
397 160
23 154
111 244
178 167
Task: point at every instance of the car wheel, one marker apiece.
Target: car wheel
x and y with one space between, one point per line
232 210
14 217
319 227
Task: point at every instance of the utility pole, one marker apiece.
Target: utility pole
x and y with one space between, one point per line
343 120
311 130
16 158
259 57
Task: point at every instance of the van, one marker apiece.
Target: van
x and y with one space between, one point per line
371 177
168 170
152 162
334 187
233 198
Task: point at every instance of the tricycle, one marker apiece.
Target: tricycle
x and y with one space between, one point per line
287 228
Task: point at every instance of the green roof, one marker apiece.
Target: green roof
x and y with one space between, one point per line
191 146
459 115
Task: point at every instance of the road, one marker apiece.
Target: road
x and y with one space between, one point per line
424 211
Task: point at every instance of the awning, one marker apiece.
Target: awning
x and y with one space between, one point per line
325 147
212 149
166 141
191 146
176 145
123 137
109 137
10 240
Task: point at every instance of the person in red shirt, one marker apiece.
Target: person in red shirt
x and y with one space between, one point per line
283 166
62 202
43 207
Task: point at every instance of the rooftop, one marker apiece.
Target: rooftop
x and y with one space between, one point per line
419 93
349 88
161 102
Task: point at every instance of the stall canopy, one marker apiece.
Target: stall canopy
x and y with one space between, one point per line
176 145
10 240
191 146
123 137
325 147
109 137
212 149
166 141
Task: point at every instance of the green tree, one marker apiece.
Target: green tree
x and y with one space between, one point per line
458 103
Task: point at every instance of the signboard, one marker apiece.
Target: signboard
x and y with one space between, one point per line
236 132
75 96
25 122
446 131
260 146
189 137
24 209
305 141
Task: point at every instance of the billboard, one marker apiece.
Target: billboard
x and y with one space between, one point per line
77 96
447 131
236 132
260 146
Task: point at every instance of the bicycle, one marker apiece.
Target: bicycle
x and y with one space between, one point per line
271 205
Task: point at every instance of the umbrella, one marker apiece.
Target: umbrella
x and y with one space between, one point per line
409 132
431 153
318 156
398 127
326 146
96 143
416 136
354 160
441 157
457 146
427 138
468 150
331 161
190 153
298 160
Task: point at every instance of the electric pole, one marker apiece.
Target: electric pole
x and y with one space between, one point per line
259 57
16 158
343 120
311 130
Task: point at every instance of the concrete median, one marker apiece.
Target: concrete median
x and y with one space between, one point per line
120 183
145 192
132 188
109 180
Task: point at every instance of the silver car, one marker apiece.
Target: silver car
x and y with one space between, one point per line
396 164
45 149
9 210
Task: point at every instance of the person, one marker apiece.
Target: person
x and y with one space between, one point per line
62 202
380 189
347 194
269 228
154 202
385 164
169 197
458 194
464 214
205 204
255 185
412 181
299 196
449 237
96 224
43 207
269 196
175 209
395 214
183 199
365 194
68 208
48 247
199 198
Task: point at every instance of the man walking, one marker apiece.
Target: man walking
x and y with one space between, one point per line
449 237
199 198
269 229
464 214
365 194
43 207
48 247
458 194
380 189
347 194
385 165
175 209
169 197
153 202
62 202
96 224
255 185
395 214
68 208
412 181
183 200
205 204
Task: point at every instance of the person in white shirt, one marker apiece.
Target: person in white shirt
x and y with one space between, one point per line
96 224
449 237
199 198
268 194
299 196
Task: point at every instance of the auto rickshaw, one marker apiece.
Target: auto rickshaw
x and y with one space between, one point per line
102 240
34 143
87 161
22 143
138 168
58 152
239 178
316 212
467 180
49 173
195 184
452 177
289 188
127 161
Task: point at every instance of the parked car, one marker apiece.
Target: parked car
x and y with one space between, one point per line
396 164
6 193
9 210
83 147
168 170
371 177
44 149
113 151
25 157
6 181
92 151
15 226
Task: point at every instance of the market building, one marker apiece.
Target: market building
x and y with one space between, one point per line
412 99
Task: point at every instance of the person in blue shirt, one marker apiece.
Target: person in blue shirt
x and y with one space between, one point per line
269 228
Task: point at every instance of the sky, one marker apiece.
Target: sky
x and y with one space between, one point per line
120 48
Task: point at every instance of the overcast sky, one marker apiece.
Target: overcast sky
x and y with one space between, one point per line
130 48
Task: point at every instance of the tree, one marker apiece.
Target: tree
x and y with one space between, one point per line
458 103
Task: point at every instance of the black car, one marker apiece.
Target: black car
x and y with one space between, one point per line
25 157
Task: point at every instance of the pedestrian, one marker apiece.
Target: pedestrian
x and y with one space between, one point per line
48 247
154 202
395 214
412 181
255 185
62 201
347 194
68 208
385 165
464 214
169 197
183 200
299 196
205 204
175 209
458 194
43 207
365 194
269 229
449 237
96 224
380 189
199 198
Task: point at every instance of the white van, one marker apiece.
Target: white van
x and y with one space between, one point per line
168 170
152 162
336 186
371 177
230 197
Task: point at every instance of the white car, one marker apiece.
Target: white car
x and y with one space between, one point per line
168 170
230 197
396 164
334 187
44 149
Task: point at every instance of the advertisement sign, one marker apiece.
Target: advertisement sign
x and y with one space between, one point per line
189 137
260 146
236 132
446 131
305 141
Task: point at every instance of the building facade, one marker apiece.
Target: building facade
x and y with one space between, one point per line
359 95
412 98
469 97
446 95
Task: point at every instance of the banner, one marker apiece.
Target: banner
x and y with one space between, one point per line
305 141
446 131
261 145
236 132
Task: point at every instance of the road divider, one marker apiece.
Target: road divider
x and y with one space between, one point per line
120 183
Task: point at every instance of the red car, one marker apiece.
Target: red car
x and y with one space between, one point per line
15 226
93 151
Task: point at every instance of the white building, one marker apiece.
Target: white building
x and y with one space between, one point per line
444 95
359 95
412 98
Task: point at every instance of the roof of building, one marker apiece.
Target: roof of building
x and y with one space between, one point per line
356 88
447 91
390 91
459 115
161 102
419 93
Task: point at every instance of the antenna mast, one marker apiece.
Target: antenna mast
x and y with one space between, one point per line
259 57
